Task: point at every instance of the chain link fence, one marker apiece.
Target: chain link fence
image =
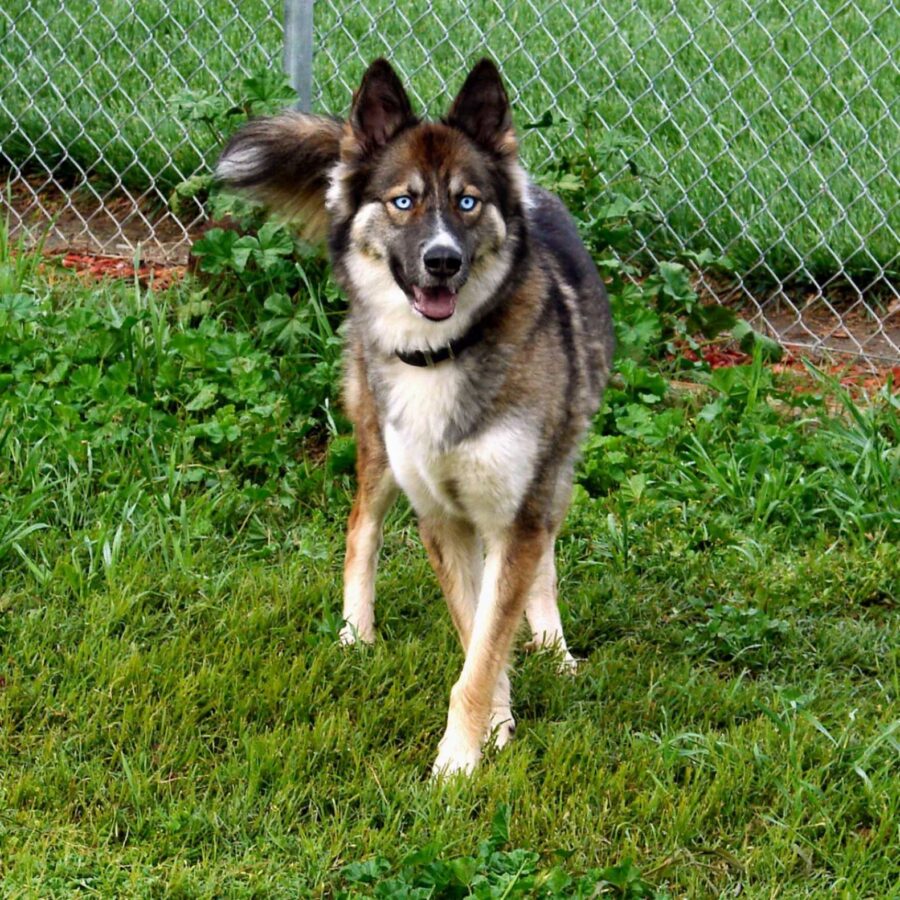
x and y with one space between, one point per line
90 133
765 131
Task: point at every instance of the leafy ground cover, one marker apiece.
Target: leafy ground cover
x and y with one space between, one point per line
177 718
788 104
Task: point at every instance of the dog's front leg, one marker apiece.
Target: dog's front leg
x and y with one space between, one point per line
509 571
375 493
456 554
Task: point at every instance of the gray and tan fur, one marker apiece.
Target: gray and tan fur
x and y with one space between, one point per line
478 347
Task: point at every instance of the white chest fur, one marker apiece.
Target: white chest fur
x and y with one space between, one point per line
483 478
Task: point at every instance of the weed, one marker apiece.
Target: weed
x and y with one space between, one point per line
494 871
745 635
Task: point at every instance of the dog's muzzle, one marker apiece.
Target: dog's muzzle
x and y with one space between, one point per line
441 274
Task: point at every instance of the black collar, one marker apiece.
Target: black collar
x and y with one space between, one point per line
430 358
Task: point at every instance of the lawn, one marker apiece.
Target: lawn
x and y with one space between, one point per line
178 719
766 133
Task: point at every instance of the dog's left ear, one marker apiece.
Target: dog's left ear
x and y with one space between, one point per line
481 110
381 107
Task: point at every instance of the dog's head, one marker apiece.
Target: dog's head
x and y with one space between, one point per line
421 214
431 201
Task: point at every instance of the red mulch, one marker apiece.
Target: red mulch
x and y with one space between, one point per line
856 376
149 275
717 356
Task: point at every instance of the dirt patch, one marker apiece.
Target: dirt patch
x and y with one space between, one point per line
859 378
840 319
88 220
853 331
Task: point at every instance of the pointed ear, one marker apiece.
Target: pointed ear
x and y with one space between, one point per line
481 110
381 107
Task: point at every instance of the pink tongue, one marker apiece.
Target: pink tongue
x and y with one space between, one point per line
435 303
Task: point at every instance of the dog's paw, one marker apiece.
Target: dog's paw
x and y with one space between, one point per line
503 727
350 634
455 758
568 665
446 766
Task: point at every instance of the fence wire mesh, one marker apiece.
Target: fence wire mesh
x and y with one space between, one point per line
764 131
90 134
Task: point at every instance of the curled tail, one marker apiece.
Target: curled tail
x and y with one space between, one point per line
284 161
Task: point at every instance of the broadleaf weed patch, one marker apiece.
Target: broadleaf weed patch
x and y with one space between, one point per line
495 870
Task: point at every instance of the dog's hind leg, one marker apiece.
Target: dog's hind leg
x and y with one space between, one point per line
509 571
375 494
542 611
456 554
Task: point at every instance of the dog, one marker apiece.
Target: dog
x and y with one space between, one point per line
478 346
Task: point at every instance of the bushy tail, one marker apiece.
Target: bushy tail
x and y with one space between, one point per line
284 161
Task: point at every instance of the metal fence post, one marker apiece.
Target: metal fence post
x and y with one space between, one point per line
298 49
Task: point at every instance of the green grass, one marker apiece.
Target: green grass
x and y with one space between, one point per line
774 150
177 718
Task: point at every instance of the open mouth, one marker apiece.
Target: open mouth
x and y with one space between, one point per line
435 303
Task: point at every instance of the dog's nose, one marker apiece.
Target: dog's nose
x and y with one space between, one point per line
442 262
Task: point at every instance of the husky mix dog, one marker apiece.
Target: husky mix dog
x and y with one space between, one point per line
478 345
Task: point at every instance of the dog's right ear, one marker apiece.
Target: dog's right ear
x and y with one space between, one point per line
381 108
481 110
284 161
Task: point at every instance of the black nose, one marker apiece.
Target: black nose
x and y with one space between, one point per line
442 261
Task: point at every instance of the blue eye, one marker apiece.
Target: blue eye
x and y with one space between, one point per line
404 202
467 202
